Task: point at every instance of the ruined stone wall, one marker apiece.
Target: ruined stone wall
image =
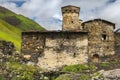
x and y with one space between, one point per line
117 43
71 18
6 47
101 38
6 50
64 49
33 45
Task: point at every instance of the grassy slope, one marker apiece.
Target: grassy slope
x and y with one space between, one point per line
12 32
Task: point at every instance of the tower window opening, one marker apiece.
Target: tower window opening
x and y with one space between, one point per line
107 47
74 55
37 38
75 11
67 37
104 31
104 37
72 21
83 27
66 10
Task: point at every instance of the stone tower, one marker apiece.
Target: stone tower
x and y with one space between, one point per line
71 21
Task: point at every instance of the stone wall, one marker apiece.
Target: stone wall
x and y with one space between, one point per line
6 47
56 48
101 37
6 50
117 42
64 49
33 45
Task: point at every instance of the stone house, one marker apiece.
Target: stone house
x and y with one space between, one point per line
76 43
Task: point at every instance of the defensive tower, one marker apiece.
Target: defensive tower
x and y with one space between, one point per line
71 19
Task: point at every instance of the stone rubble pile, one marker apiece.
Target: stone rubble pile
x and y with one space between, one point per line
108 75
6 50
112 74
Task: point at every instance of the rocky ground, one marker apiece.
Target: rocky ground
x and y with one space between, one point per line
110 74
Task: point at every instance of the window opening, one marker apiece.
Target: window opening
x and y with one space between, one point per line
104 37
74 55
68 37
72 22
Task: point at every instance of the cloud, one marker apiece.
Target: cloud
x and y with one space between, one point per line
111 12
48 12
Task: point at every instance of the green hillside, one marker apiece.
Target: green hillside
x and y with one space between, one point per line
11 26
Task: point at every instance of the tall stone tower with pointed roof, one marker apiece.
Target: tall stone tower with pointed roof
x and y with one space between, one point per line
71 21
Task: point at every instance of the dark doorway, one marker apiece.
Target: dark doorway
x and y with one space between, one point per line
95 58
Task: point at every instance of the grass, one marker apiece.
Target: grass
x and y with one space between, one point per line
28 24
75 68
107 64
10 32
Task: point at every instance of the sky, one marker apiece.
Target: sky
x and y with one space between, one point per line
48 12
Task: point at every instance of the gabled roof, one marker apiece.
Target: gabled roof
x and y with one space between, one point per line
99 20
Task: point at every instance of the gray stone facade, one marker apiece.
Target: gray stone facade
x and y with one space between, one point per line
76 42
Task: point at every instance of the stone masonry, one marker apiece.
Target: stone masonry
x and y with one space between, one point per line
77 43
56 48
71 21
101 37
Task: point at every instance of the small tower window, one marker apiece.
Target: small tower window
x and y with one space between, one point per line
72 21
104 31
75 11
66 10
83 27
107 47
104 37
70 11
67 37
74 55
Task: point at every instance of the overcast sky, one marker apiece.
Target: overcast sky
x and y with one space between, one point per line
48 12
